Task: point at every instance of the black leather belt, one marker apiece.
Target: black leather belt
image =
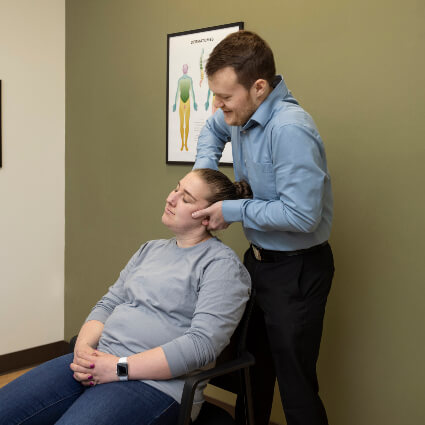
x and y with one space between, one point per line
269 256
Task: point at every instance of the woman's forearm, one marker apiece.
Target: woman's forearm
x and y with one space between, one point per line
85 346
90 334
151 364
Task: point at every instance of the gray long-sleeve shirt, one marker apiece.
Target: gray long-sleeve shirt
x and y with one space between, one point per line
186 300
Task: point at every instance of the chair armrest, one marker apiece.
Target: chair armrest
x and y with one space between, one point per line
245 360
72 343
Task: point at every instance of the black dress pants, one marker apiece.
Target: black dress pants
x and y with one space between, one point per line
285 332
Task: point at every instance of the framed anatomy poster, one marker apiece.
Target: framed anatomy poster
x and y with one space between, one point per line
189 100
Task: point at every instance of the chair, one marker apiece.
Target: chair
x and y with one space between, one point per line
231 373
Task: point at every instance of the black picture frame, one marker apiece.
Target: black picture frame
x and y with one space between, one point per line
1 129
187 53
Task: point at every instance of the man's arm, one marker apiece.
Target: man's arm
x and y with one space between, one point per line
299 172
212 139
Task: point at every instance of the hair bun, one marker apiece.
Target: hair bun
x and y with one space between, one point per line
243 189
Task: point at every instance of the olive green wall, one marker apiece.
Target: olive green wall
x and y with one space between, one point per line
358 68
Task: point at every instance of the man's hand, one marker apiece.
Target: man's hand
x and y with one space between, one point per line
212 217
96 368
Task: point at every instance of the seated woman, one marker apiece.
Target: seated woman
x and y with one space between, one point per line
170 313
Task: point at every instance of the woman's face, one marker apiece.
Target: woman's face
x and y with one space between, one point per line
189 196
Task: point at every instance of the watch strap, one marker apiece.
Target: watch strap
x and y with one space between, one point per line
123 362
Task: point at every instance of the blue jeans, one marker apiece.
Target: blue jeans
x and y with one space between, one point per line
48 394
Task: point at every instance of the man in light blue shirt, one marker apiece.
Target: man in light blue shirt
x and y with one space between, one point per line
277 149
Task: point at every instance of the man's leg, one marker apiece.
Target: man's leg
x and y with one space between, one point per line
41 395
263 375
292 294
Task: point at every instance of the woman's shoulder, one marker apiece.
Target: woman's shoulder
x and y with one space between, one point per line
221 250
224 264
154 245
159 242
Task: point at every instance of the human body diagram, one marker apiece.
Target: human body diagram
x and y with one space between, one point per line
184 88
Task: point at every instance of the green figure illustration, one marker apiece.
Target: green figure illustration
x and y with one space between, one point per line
184 86
207 103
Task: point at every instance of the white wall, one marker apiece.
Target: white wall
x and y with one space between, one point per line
32 180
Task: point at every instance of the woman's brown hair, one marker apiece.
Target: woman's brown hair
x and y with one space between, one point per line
222 187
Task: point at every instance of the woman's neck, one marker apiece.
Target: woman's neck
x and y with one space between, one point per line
186 241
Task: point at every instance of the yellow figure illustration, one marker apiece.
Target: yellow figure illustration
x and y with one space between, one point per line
184 86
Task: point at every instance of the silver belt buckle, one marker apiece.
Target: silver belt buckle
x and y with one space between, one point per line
257 253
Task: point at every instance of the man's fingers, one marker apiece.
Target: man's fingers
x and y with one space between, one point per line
217 225
200 213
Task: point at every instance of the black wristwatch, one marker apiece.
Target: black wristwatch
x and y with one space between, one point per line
122 369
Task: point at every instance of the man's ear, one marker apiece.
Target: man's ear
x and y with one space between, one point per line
260 89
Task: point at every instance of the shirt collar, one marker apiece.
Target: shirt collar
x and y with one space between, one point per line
263 113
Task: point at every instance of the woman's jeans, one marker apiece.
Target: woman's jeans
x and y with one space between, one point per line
49 394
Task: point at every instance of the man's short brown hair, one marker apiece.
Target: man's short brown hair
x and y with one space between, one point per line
248 54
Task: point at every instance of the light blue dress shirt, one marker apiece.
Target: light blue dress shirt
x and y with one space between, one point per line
280 153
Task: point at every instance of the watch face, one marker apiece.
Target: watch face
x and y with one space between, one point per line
121 369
